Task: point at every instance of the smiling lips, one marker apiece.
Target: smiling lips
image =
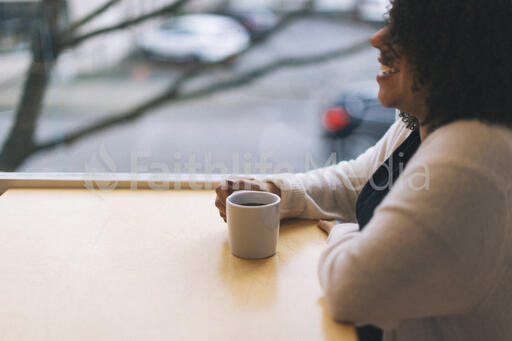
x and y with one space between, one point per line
386 71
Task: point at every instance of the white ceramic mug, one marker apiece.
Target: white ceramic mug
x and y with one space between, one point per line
253 230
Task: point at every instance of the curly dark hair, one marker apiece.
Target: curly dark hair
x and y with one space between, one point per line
461 51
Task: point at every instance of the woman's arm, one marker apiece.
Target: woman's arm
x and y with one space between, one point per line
433 247
331 192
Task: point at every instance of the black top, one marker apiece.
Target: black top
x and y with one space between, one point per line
384 177
372 195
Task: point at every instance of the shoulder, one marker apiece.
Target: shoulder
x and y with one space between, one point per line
470 144
471 133
459 177
456 186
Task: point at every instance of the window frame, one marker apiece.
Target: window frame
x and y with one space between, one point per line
109 181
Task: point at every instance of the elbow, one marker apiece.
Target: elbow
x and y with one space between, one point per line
344 297
351 302
344 307
348 294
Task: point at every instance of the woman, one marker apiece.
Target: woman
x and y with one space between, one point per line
425 250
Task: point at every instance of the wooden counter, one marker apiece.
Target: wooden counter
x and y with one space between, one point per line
150 265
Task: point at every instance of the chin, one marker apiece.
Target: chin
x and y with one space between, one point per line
386 101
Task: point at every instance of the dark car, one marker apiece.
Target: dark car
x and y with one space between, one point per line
356 120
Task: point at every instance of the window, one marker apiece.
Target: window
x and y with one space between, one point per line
118 92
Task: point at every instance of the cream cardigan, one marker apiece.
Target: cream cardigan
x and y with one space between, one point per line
435 261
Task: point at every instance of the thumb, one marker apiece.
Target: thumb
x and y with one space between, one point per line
322 224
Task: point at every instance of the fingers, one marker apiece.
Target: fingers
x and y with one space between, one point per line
222 208
325 225
220 205
321 225
233 184
223 190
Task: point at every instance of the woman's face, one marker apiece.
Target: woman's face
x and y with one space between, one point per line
396 79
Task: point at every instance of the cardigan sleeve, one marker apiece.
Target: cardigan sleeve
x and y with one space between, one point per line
433 246
331 192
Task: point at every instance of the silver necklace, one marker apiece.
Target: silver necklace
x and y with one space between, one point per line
410 121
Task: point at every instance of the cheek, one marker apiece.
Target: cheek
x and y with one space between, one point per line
412 98
406 81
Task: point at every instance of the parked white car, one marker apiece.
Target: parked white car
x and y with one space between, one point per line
203 38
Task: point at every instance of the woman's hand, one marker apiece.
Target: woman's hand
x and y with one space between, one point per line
326 225
238 183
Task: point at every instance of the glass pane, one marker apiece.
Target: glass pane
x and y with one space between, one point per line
106 86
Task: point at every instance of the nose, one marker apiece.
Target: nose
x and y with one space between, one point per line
377 38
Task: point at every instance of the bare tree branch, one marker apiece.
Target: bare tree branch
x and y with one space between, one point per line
172 91
20 140
172 95
251 76
73 27
168 9
9 161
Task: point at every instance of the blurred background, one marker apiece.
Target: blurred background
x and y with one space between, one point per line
198 86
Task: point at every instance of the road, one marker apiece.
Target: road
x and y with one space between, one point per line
269 126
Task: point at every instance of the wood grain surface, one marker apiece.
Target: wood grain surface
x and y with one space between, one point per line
150 265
